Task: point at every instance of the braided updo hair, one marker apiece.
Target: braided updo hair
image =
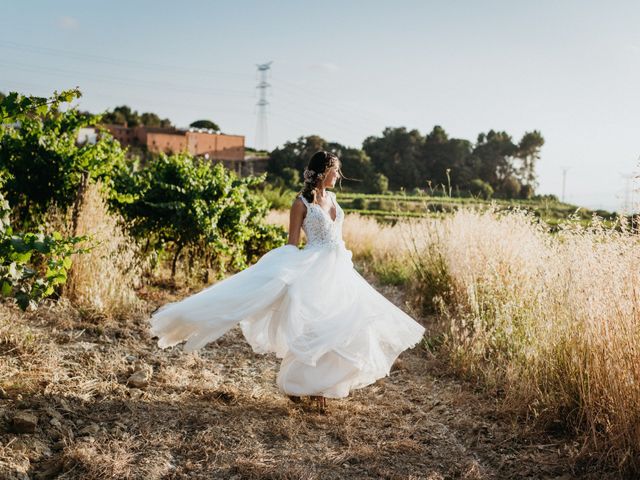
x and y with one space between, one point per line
315 172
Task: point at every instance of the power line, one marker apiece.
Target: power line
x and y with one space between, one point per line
308 116
114 61
124 81
319 98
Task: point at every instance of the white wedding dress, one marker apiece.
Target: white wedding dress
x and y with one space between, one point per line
332 329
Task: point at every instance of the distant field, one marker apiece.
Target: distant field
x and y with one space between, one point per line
392 206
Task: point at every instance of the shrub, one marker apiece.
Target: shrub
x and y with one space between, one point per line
40 154
207 211
481 188
359 203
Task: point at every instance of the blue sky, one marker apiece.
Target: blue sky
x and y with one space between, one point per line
346 70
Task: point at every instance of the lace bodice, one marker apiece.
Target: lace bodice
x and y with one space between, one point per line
318 226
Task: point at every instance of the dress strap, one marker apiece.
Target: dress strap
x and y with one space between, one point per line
304 200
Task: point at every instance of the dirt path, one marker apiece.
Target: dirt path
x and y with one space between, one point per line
218 414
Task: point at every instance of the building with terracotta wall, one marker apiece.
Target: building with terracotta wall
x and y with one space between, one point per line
219 147
173 140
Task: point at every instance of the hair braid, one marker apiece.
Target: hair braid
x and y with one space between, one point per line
315 171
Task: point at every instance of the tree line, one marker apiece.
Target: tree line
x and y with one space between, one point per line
495 164
125 115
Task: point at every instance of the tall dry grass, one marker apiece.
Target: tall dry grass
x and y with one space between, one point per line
552 320
104 279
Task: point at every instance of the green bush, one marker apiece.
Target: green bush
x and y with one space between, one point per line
481 188
42 159
291 177
279 198
359 203
379 183
191 205
33 265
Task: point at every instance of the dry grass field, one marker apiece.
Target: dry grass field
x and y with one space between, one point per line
218 414
87 395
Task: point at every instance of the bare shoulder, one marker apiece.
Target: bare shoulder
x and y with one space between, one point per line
298 204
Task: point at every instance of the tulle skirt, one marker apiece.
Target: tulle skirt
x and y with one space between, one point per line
332 329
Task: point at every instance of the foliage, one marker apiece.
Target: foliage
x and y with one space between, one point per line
32 265
483 189
191 204
208 124
359 203
405 159
356 165
40 154
379 183
124 115
394 205
396 155
291 177
410 160
279 197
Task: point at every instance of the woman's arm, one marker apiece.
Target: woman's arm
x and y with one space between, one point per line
296 216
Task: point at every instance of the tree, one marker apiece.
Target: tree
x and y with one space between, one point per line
205 124
124 115
408 160
397 155
491 159
356 167
295 154
529 152
510 187
441 153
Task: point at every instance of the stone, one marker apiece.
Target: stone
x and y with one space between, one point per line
24 422
139 379
141 375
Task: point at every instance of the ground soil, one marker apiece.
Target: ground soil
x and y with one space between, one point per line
218 413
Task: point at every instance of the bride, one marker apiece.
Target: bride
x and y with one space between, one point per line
333 331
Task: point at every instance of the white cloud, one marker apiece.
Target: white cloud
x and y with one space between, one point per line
68 23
